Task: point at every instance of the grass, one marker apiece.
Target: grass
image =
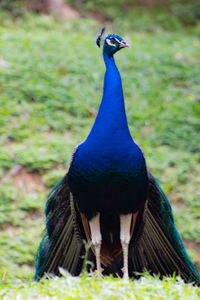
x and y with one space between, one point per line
51 76
91 287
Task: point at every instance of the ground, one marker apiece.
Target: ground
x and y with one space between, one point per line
50 90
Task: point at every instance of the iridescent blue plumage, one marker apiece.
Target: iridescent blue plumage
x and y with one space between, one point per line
108 175
108 169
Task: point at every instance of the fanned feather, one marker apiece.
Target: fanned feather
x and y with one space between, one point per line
62 244
159 248
156 245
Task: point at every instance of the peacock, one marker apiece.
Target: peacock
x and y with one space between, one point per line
110 200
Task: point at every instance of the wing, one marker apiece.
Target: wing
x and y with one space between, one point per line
158 247
62 244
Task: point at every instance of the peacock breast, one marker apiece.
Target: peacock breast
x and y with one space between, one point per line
107 178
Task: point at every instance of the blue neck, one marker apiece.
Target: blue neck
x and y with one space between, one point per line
111 119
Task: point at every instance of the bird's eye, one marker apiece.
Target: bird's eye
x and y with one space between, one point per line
112 41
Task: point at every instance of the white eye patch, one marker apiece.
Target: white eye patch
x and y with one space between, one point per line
117 40
110 43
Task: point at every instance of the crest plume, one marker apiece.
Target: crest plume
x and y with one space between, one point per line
98 41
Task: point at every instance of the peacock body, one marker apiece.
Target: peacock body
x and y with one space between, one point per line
109 197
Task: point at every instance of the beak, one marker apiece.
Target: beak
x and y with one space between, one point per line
123 44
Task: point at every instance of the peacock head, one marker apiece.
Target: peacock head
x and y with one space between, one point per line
112 43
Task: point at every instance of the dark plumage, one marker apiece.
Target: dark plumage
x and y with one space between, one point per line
109 197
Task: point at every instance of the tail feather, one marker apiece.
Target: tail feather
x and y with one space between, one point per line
159 248
156 245
62 244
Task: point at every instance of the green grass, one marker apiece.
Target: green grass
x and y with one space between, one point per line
91 287
51 77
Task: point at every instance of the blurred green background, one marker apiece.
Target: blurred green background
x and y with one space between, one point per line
51 76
